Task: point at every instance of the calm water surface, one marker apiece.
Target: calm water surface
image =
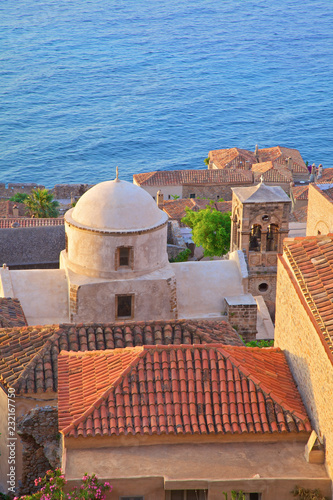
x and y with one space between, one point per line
87 85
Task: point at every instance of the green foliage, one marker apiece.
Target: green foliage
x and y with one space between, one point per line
206 161
175 196
52 488
182 256
307 494
40 204
3 496
210 229
19 198
260 343
235 495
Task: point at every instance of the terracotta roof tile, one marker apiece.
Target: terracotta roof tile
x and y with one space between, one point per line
28 356
30 222
184 177
232 158
271 172
176 208
327 176
279 154
300 215
11 313
300 192
311 259
228 389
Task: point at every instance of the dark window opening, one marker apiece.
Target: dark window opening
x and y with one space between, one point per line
124 256
265 218
192 195
255 238
124 306
272 238
263 287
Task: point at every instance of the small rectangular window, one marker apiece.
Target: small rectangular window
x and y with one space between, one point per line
192 195
124 306
124 257
189 495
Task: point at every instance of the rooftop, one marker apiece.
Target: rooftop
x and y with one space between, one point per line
192 389
261 194
311 259
29 355
271 173
176 208
183 177
11 313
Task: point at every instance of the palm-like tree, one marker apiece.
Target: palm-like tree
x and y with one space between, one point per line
41 204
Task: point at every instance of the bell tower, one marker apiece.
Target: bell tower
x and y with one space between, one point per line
260 222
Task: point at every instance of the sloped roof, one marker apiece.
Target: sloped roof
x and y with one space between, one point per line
176 208
184 177
222 157
300 192
30 222
311 259
178 390
11 313
281 153
260 194
271 172
6 208
300 215
327 176
28 356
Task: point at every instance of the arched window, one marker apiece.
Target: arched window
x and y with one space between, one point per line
272 238
255 238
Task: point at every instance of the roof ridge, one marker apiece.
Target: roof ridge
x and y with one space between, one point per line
262 385
105 394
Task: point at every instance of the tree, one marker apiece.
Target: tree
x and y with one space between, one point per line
19 197
210 229
41 204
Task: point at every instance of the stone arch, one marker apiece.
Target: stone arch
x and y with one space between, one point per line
272 238
321 228
255 238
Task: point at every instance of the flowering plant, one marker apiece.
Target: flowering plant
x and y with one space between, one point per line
52 488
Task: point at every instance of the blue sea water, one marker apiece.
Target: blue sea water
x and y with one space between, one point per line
87 85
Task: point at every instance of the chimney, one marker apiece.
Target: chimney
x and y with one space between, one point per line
320 171
160 199
289 162
15 211
256 153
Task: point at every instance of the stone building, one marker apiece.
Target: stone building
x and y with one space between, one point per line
213 185
115 268
304 327
260 216
320 210
281 158
29 367
180 422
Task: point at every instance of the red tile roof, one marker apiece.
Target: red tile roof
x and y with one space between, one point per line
176 208
300 215
29 222
28 356
184 177
327 176
228 158
11 313
280 154
300 192
178 390
311 259
271 172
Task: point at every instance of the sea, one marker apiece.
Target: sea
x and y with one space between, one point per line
88 85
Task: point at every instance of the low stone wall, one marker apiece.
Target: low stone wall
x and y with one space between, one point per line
38 430
13 188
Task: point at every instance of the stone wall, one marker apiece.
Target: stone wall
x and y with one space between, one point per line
320 212
310 364
38 430
243 318
215 192
13 188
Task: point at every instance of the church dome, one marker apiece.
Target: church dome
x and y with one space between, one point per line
117 206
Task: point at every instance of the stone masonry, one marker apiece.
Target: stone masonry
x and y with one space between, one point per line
38 430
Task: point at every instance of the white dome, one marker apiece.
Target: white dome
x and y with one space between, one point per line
117 206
